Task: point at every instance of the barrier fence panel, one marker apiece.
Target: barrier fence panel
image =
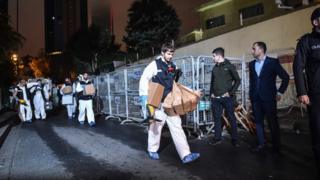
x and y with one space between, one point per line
118 99
134 105
103 93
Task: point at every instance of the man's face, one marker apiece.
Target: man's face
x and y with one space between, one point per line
216 57
85 76
23 82
256 51
168 55
67 80
316 22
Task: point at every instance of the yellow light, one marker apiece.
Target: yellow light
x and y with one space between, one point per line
14 57
213 5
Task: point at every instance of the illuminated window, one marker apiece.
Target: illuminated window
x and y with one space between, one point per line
215 22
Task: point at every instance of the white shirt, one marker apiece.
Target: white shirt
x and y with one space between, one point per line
259 64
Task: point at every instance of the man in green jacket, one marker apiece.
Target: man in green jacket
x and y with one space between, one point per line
225 81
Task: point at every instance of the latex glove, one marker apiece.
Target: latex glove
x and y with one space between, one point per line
143 103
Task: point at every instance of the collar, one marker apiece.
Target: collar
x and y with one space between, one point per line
162 59
221 63
263 59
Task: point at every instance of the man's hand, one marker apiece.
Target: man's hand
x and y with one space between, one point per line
226 94
278 97
304 99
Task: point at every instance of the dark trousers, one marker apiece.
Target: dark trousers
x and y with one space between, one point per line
218 104
268 109
314 122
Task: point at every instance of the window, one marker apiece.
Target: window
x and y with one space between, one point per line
252 11
215 22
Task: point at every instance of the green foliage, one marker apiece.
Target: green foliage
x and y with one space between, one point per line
10 41
151 23
90 48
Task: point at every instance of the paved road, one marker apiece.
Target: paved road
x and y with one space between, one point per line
62 149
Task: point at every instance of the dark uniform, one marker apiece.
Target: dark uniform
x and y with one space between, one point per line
224 78
306 69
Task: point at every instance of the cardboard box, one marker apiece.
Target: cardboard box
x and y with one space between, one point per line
67 90
89 90
155 93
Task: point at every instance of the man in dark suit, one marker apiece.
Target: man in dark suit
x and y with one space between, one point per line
263 72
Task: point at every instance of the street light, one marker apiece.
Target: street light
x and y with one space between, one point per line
14 59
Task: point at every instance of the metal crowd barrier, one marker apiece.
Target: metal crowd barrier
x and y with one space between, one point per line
118 91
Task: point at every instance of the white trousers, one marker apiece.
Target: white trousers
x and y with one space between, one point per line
71 108
177 133
39 106
86 105
25 112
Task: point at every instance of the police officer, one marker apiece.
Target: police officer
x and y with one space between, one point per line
306 69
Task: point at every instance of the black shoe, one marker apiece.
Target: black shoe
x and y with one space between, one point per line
215 142
258 149
235 144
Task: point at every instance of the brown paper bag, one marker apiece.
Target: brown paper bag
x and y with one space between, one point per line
190 98
89 90
177 99
167 105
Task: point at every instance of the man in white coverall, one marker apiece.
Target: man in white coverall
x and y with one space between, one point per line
68 98
40 96
22 93
85 101
161 71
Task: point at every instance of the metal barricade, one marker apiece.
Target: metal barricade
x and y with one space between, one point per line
134 106
118 93
103 94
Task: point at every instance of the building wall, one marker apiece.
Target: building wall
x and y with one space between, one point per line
30 23
279 33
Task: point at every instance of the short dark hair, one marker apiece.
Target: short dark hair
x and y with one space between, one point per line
261 45
218 51
315 14
167 47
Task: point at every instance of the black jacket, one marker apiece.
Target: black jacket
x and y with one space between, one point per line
306 65
224 78
165 76
264 86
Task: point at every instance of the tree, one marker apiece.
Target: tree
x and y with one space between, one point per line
10 41
91 48
151 23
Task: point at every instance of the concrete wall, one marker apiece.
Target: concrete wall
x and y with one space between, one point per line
279 33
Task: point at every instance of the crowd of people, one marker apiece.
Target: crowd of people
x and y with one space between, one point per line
36 96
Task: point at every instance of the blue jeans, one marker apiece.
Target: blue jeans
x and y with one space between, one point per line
218 104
